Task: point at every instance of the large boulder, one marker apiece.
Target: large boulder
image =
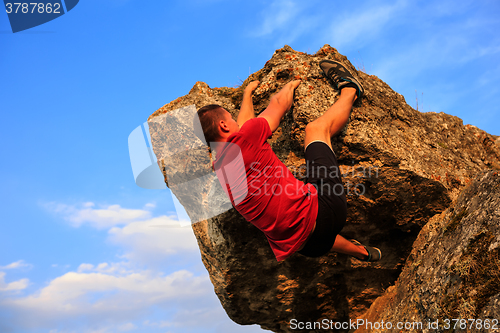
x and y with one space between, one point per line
400 166
451 281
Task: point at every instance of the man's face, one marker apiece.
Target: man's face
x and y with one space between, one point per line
231 123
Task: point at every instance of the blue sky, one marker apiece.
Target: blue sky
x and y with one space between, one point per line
79 250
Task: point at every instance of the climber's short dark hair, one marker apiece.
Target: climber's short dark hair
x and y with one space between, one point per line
209 116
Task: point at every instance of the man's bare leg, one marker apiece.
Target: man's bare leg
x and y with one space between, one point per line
333 120
322 129
344 246
328 125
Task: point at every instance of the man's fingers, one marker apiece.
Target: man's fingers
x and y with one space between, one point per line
294 84
252 85
255 84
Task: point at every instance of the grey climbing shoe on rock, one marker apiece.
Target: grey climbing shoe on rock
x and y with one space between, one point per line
374 254
340 76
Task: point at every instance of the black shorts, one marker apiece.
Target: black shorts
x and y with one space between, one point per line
324 173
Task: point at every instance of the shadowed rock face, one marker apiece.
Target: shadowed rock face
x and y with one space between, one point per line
400 166
453 270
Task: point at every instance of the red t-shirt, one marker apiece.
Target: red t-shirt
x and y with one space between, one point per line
264 191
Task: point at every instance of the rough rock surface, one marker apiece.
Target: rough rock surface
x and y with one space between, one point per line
453 270
401 167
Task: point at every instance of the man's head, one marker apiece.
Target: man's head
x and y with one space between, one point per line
216 124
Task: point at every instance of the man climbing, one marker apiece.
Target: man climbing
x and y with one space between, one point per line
304 217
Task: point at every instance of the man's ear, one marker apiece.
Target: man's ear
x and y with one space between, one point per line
223 126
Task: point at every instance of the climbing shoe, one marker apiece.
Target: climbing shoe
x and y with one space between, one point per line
339 76
374 254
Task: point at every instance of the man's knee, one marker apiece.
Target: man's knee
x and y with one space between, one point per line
316 126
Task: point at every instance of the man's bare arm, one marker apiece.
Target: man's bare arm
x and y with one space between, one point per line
279 105
246 110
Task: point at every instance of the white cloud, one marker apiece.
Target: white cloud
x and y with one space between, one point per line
126 327
114 268
362 25
285 21
326 22
99 218
154 238
120 296
12 286
16 265
431 51
475 53
108 297
85 267
144 239
150 205
116 297
277 16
